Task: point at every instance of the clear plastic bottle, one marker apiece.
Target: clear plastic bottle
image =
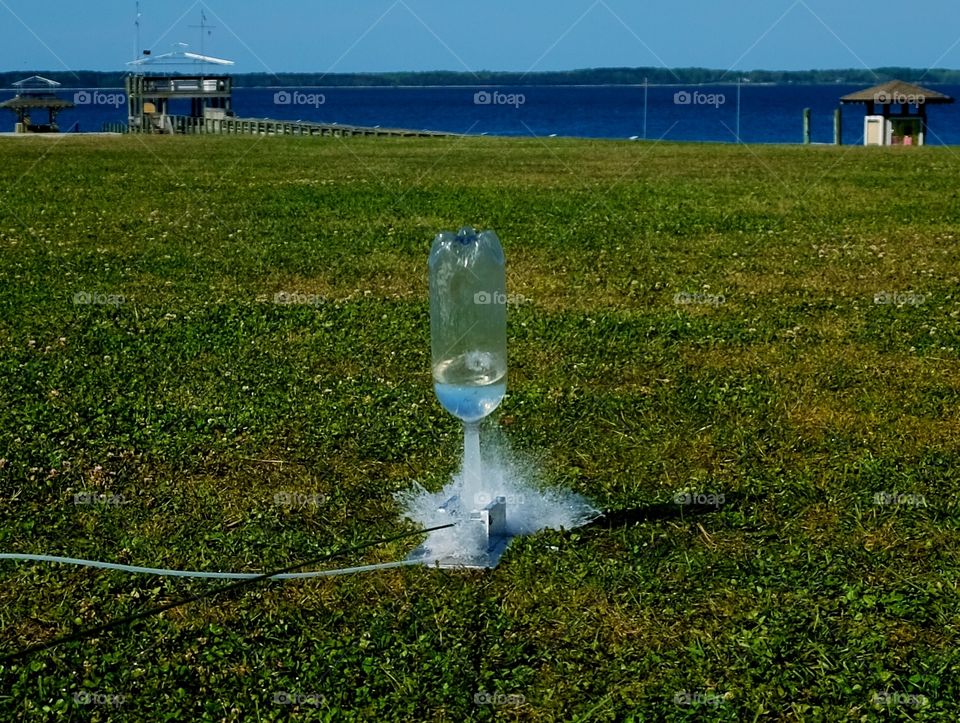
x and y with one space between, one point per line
468 322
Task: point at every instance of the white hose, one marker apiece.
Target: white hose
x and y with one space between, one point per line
194 573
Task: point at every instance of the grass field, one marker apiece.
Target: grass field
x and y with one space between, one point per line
777 327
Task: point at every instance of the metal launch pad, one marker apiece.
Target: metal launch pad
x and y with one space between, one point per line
487 525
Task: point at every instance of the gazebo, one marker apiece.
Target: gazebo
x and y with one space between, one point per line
908 126
36 94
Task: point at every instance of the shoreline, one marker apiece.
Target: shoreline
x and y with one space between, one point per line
444 134
488 84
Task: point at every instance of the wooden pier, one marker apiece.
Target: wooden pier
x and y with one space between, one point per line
150 98
188 125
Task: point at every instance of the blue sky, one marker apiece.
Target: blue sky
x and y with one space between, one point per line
381 35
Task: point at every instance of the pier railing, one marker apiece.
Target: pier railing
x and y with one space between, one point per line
188 125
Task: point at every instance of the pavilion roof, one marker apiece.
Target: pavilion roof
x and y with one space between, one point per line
897 92
180 57
27 102
35 82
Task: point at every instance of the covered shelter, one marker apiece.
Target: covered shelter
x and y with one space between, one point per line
149 96
883 126
35 95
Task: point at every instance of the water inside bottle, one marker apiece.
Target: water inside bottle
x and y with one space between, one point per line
470 385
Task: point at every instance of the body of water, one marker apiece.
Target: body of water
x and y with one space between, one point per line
767 113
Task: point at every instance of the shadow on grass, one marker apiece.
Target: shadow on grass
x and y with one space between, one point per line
663 511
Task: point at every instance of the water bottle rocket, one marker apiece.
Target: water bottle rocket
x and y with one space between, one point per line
468 333
468 337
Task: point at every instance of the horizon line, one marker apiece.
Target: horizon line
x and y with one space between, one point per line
595 69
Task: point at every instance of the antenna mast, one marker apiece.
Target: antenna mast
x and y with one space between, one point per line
136 23
204 30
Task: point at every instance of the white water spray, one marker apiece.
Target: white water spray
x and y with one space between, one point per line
531 505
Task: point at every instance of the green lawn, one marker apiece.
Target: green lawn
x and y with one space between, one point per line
776 325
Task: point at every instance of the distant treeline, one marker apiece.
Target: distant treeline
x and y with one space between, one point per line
590 76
